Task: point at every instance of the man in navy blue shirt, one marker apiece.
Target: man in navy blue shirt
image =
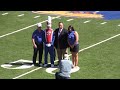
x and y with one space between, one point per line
37 40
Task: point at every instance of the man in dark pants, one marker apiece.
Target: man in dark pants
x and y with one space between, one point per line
65 67
49 45
37 40
54 54
61 43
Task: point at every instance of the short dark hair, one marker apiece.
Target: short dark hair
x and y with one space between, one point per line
71 28
60 22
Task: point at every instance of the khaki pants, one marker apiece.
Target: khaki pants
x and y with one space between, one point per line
60 53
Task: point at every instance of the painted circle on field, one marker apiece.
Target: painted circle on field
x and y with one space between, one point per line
19 64
73 70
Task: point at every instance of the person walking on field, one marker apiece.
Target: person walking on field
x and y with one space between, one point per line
73 39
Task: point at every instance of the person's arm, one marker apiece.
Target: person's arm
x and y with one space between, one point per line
77 36
69 43
53 39
43 36
33 40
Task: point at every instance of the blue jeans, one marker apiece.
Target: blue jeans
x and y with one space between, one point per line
49 50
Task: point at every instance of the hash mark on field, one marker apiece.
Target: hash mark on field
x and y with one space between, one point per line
70 54
104 23
36 16
86 21
96 11
24 28
59 18
4 13
20 15
69 20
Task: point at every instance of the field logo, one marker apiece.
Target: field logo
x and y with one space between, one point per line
19 64
52 70
25 64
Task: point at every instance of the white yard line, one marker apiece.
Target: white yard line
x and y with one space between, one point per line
30 71
99 43
103 22
27 73
20 15
69 20
86 21
4 13
70 54
24 28
36 16
119 25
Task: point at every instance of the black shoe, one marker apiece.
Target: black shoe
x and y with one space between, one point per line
40 65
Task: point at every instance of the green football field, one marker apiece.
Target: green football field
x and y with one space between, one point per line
99 40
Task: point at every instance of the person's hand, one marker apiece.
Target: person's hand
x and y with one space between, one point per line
72 46
35 46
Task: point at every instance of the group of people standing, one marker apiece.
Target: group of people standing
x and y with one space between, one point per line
58 40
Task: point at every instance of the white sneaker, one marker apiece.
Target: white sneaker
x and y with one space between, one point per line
45 65
52 65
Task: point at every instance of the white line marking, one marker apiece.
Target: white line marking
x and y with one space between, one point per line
22 61
104 23
59 18
34 12
69 20
86 21
97 11
30 71
24 28
50 70
20 15
75 69
119 25
4 13
70 54
27 73
99 43
36 16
